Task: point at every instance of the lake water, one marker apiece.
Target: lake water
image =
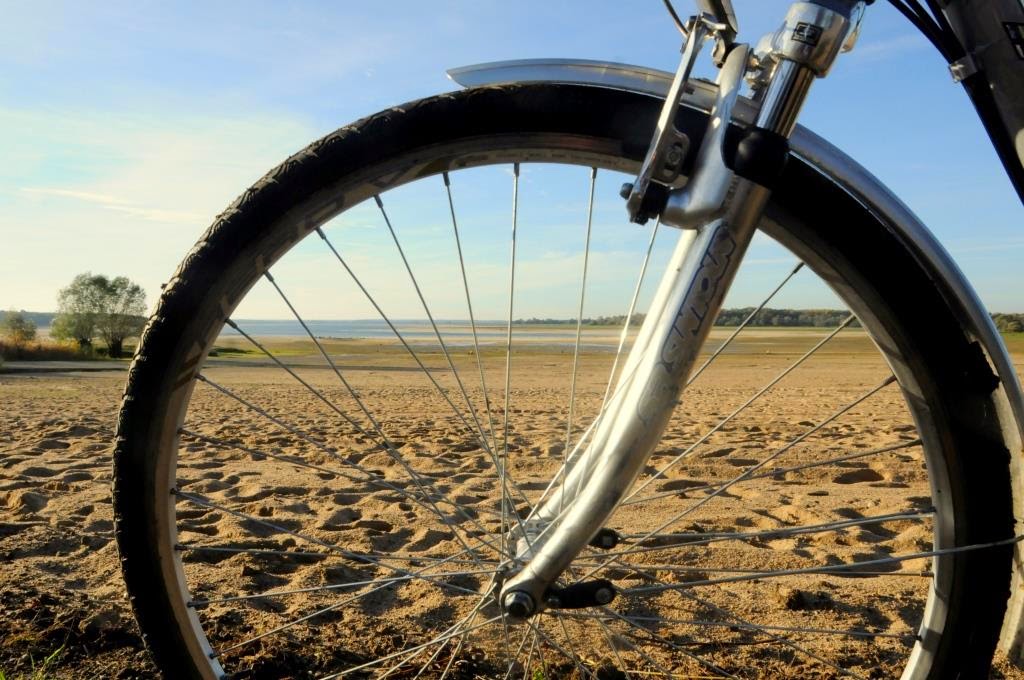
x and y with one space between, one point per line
455 332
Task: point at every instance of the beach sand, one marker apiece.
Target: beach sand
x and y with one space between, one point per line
61 587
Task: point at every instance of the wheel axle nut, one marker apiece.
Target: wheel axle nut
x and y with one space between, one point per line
518 605
604 595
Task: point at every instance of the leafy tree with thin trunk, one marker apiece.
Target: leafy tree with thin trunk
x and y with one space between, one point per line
95 306
18 329
78 306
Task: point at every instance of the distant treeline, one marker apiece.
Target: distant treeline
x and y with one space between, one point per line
822 318
786 318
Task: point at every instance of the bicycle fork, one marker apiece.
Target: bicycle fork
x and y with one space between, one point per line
718 210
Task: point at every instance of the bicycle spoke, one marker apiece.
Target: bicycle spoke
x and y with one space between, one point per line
390 449
361 520
827 568
689 540
570 655
775 456
742 407
469 308
368 476
314 555
750 317
332 587
418 574
441 638
461 628
503 463
315 392
668 643
579 326
776 638
707 623
724 612
361 558
477 431
430 317
424 502
753 469
776 472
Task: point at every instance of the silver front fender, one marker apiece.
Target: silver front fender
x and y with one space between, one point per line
878 200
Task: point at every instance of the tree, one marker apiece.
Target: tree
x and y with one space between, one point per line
1009 323
78 306
18 328
95 306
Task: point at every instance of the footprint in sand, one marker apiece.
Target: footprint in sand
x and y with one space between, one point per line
37 471
858 476
206 530
51 444
680 484
26 502
341 519
718 453
375 525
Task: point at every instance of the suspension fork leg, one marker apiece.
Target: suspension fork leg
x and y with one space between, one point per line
691 295
688 300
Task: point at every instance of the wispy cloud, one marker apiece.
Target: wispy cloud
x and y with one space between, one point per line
149 213
85 191
886 48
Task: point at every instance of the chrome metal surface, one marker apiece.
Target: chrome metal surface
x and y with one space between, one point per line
812 35
856 19
964 67
646 395
669 147
703 197
807 147
722 11
603 73
877 200
665 352
784 97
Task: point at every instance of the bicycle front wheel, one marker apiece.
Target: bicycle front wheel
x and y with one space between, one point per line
301 496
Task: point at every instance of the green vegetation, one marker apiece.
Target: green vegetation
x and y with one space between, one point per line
18 330
617 320
785 318
43 670
1009 323
41 351
18 340
93 306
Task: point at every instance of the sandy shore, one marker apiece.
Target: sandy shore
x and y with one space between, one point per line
61 587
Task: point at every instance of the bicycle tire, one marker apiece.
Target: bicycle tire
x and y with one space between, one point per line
942 368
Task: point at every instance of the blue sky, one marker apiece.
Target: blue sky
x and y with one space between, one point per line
126 127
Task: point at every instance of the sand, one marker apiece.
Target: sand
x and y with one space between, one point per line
61 587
